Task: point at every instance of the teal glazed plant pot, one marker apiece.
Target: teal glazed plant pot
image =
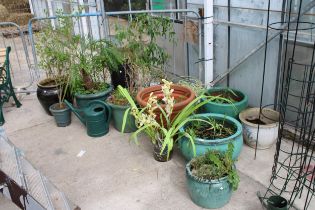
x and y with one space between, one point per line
203 145
209 194
118 112
62 116
229 109
83 100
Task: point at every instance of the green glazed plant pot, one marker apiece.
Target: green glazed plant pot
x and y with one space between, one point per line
210 194
83 100
62 116
277 202
231 110
118 112
203 145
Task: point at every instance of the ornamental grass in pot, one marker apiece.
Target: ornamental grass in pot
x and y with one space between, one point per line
238 101
211 132
211 178
163 130
54 52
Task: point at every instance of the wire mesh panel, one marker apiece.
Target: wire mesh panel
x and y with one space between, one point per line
293 172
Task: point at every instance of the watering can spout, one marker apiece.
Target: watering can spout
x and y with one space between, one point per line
75 111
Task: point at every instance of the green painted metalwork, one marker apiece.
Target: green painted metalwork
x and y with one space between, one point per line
6 88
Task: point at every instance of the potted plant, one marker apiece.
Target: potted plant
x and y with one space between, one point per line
119 105
89 73
268 122
239 101
55 59
163 129
211 178
211 132
144 62
144 59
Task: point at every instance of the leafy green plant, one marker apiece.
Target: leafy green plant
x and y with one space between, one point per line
210 128
215 165
55 54
166 129
227 93
194 84
92 60
144 58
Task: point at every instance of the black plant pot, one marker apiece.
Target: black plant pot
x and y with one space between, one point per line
47 94
161 157
119 77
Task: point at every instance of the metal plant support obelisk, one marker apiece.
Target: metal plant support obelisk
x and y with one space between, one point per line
293 172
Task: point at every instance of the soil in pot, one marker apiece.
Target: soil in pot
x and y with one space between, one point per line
215 129
256 121
227 94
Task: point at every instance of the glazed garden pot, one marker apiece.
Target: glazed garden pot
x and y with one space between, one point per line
277 202
83 100
183 96
209 194
47 94
268 127
228 109
62 115
203 145
118 112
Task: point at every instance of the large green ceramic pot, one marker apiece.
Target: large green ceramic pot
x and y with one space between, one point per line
203 145
83 100
229 109
210 194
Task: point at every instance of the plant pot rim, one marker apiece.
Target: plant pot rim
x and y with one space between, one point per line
204 181
155 88
52 108
116 106
93 95
269 125
245 97
39 84
238 132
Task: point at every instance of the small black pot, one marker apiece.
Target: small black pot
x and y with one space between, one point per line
119 77
161 157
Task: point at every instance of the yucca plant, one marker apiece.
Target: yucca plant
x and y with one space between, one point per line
148 122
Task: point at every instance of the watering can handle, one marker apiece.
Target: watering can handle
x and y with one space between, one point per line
107 108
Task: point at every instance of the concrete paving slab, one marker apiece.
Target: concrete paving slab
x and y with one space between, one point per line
113 173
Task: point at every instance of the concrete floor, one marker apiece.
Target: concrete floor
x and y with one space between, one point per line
114 173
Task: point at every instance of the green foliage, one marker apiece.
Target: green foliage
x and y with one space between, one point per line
194 84
227 94
211 128
146 60
215 165
55 56
81 61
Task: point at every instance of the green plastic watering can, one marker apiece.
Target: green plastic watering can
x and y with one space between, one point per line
95 116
